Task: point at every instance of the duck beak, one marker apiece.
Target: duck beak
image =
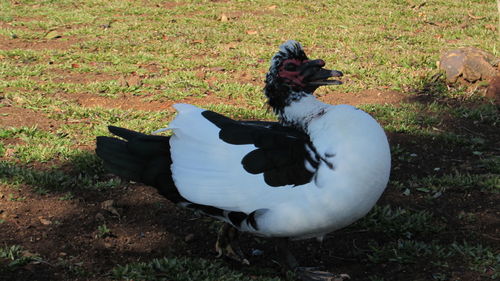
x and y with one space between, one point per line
321 78
315 75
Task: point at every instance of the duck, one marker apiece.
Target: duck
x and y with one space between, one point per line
318 168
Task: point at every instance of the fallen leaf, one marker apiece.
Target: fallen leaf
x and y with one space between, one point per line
198 41
475 17
28 254
217 68
273 7
75 65
252 32
490 27
52 35
418 6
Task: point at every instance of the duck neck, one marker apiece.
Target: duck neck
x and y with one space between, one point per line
301 109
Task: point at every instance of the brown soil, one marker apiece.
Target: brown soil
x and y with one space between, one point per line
68 76
141 103
43 44
21 117
365 97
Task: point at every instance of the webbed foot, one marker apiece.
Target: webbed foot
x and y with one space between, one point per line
228 244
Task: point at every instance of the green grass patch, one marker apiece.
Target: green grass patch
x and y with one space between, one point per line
477 257
181 269
397 222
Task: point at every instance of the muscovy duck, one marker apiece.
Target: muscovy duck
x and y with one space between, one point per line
318 169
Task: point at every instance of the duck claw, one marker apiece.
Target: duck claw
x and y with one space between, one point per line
227 245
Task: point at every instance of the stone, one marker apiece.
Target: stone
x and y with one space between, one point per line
469 64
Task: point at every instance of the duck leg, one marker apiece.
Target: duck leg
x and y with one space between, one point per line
305 273
228 244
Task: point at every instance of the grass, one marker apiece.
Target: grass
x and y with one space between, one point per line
400 223
440 257
445 176
180 269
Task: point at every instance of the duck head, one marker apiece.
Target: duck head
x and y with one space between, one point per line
291 71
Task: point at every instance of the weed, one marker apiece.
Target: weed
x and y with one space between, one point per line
103 231
17 256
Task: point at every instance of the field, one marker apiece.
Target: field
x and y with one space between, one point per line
70 68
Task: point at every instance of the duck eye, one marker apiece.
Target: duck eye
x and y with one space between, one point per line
290 66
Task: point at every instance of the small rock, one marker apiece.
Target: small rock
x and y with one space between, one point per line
469 63
493 91
223 18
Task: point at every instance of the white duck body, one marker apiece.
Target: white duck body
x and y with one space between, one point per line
345 186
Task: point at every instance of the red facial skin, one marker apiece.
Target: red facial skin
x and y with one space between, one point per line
293 77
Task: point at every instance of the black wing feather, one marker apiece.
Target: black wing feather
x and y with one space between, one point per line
139 157
146 159
281 151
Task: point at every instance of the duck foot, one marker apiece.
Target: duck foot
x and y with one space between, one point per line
313 274
228 244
